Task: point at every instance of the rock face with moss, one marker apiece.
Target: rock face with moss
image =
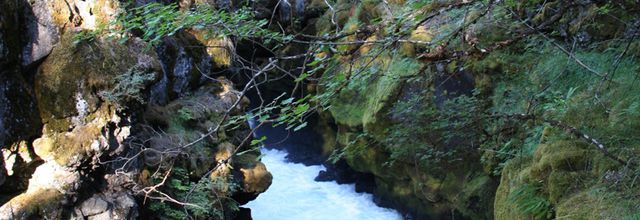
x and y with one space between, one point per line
486 110
79 126
92 128
213 161
560 175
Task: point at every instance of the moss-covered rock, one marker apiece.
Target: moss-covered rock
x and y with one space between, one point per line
220 50
363 102
47 196
256 179
597 203
67 82
40 204
566 173
68 89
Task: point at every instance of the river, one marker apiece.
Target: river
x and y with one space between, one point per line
294 195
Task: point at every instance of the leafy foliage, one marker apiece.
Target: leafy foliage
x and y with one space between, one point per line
207 197
433 135
156 21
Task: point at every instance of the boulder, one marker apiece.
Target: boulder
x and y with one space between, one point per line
45 22
81 97
46 195
9 41
66 82
18 111
256 179
93 206
106 207
53 176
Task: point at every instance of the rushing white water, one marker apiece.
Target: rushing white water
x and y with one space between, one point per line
294 195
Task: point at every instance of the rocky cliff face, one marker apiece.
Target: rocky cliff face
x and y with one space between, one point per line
428 107
453 109
94 129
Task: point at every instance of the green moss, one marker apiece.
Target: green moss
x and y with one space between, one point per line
567 174
70 148
370 91
70 77
41 203
511 179
560 156
57 82
597 203
566 183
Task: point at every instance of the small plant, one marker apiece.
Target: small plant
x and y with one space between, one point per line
291 113
185 114
128 87
605 9
84 36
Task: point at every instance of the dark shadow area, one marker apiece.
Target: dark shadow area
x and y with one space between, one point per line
303 146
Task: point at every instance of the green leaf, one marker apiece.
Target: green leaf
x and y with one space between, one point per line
301 126
302 77
301 109
258 141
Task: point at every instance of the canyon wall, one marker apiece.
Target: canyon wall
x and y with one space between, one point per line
486 109
103 128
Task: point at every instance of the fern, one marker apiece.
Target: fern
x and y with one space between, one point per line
527 200
128 87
